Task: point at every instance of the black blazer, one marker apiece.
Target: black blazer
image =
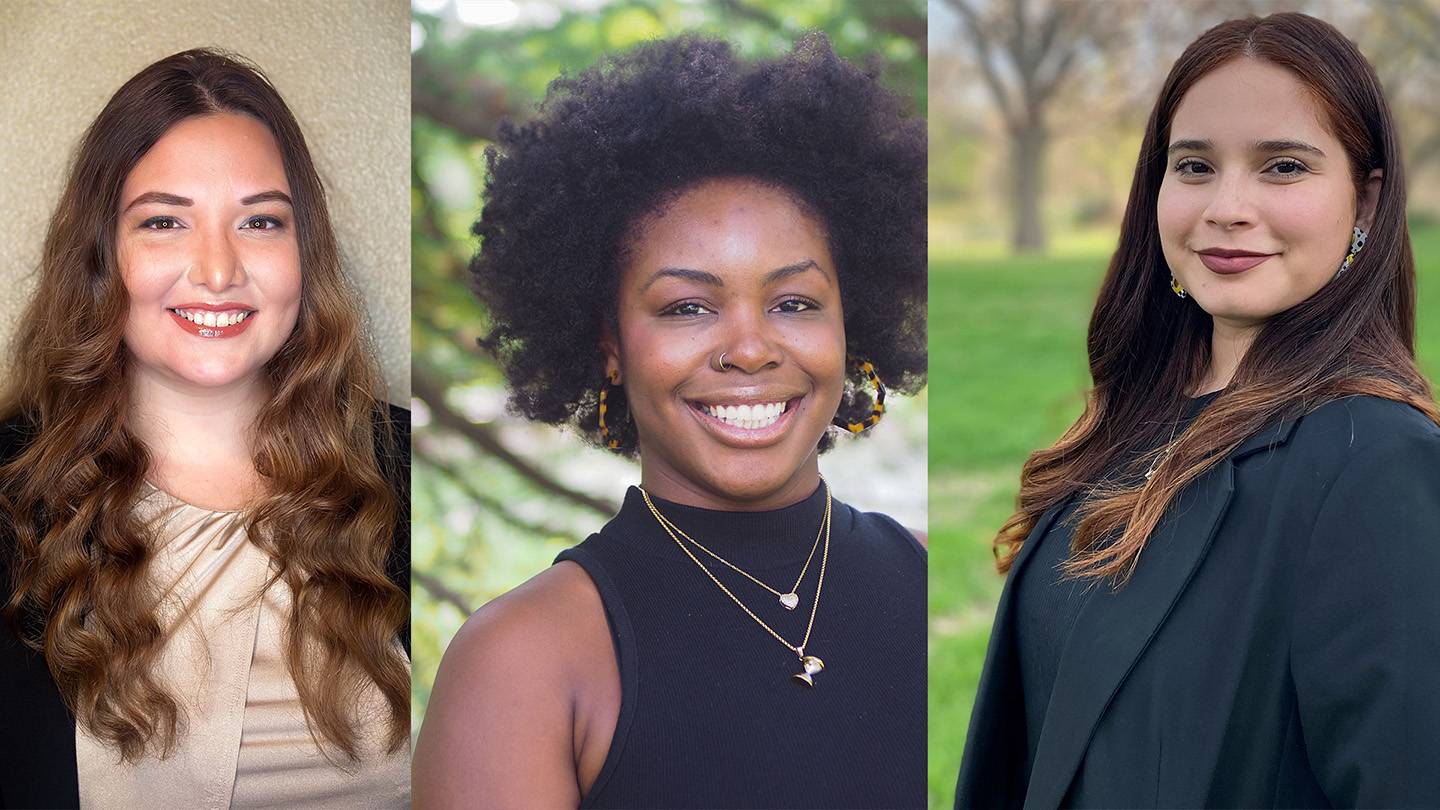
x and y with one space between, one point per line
1278 645
37 731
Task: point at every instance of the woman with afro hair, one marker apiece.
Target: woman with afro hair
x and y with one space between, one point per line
713 265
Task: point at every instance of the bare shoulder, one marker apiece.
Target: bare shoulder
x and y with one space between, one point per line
534 621
515 680
920 537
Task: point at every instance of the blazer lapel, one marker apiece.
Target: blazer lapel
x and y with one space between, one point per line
989 746
1114 628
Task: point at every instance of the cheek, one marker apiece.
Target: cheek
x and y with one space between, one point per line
1177 209
277 272
143 270
1311 221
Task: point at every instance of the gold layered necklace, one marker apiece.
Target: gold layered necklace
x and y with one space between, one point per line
809 664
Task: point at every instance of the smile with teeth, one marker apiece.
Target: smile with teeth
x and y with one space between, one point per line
205 317
749 417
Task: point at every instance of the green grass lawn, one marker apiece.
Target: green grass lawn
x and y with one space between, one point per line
1007 375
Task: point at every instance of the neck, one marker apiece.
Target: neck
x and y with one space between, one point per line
667 484
1228 343
199 438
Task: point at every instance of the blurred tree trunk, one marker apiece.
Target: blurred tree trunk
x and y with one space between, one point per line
1027 173
1025 53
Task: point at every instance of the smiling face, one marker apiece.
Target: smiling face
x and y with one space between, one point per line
1258 203
207 248
736 267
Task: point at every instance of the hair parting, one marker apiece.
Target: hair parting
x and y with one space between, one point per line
1149 349
79 562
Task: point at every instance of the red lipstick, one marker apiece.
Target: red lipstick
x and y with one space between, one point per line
228 319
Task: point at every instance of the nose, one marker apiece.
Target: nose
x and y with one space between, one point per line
1231 205
750 344
216 264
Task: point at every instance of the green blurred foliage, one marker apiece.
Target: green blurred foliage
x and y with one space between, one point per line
495 499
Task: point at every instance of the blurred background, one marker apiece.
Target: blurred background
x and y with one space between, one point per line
495 499
1036 112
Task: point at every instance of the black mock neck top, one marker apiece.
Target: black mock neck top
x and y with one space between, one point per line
710 713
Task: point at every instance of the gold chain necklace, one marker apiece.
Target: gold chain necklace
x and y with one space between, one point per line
809 664
790 599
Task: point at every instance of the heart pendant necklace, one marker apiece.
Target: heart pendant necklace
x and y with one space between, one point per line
789 599
809 665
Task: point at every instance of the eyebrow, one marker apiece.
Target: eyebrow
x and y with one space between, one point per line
685 273
273 195
163 198
715 281
160 198
1259 146
793 269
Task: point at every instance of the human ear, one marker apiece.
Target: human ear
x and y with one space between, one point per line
1369 198
610 347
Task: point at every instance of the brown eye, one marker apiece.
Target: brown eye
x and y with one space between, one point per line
1288 168
160 224
263 224
796 305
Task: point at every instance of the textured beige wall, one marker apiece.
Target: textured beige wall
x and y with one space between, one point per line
343 67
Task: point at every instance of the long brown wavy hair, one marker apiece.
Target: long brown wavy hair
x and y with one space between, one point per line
1149 349
79 561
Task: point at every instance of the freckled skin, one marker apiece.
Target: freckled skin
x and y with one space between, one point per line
1241 197
784 338
211 252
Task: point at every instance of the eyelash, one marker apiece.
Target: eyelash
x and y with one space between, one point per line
1303 169
1183 167
171 223
271 223
675 309
153 222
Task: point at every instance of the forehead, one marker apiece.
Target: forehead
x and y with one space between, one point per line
1248 100
210 153
729 226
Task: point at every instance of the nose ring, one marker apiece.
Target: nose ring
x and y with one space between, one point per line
718 363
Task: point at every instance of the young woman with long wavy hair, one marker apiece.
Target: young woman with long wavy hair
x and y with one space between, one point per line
1221 578
681 257
202 490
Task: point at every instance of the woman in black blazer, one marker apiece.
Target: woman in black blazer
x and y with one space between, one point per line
1221 579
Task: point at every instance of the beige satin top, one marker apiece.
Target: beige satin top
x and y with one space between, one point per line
244 742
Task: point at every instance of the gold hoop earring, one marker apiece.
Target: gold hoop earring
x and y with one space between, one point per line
1175 287
876 412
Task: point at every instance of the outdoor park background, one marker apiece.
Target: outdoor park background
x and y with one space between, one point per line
1025 200
495 499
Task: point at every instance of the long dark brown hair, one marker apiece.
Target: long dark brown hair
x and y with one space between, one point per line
1149 349
80 557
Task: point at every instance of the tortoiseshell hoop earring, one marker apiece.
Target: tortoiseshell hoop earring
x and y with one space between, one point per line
611 381
875 413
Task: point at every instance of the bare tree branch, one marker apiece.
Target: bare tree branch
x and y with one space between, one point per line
484 438
492 504
440 591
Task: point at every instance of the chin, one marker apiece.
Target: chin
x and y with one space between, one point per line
213 373
751 478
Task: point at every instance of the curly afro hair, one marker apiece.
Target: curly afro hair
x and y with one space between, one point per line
615 143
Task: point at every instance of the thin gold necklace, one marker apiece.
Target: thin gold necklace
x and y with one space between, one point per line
809 664
789 599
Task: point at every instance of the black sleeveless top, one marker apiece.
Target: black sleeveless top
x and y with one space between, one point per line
710 714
